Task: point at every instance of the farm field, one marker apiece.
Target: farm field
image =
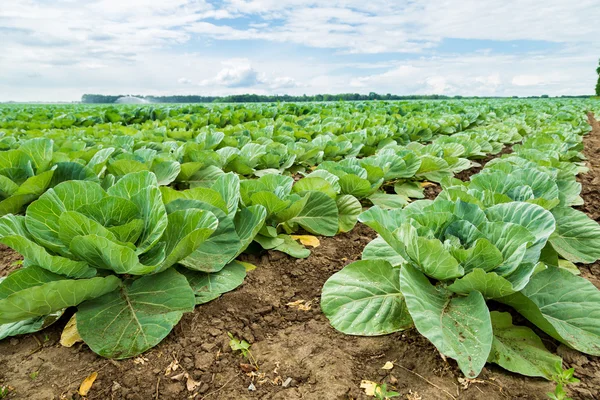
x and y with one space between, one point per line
457 240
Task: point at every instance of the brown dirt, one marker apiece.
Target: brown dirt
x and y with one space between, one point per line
286 342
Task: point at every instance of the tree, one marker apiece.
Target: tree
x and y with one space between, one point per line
598 83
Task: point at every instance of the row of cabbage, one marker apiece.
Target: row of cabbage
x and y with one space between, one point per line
508 237
28 167
134 253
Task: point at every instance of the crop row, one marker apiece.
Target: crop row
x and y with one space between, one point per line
135 230
510 235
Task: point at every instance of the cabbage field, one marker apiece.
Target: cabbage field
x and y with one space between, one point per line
460 226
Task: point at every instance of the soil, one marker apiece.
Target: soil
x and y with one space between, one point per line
298 354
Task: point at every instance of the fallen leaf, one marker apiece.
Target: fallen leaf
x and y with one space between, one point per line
427 184
179 377
191 384
87 383
172 367
413 395
140 360
369 387
301 305
307 240
388 365
247 367
70 335
247 265
466 382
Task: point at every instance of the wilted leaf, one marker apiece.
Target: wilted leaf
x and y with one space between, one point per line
307 240
70 335
191 384
301 305
369 387
247 265
87 383
388 365
174 366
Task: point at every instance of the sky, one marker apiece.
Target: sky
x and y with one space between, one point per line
57 50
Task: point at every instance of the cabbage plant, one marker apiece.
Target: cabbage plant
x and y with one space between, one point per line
112 253
435 266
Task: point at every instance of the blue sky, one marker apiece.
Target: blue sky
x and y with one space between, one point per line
60 49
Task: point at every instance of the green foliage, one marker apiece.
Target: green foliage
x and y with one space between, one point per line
136 214
382 392
562 379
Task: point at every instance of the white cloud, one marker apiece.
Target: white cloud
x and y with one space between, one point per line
527 80
151 47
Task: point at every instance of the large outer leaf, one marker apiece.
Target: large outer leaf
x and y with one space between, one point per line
388 201
247 224
39 151
460 327
14 234
30 190
71 171
378 249
135 318
186 231
565 306
166 171
319 216
202 194
53 296
577 237
228 186
25 278
29 325
220 248
364 298
291 247
349 208
209 286
518 349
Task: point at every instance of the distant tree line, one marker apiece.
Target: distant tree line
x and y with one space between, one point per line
598 83
256 98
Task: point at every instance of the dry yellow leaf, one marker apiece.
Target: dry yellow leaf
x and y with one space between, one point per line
427 184
301 305
70 335
369 387
191 384
388 365
87 383
307 240
174 366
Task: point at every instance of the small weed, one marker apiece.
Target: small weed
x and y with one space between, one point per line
243 347
381 392
34 375
562 379
4 390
